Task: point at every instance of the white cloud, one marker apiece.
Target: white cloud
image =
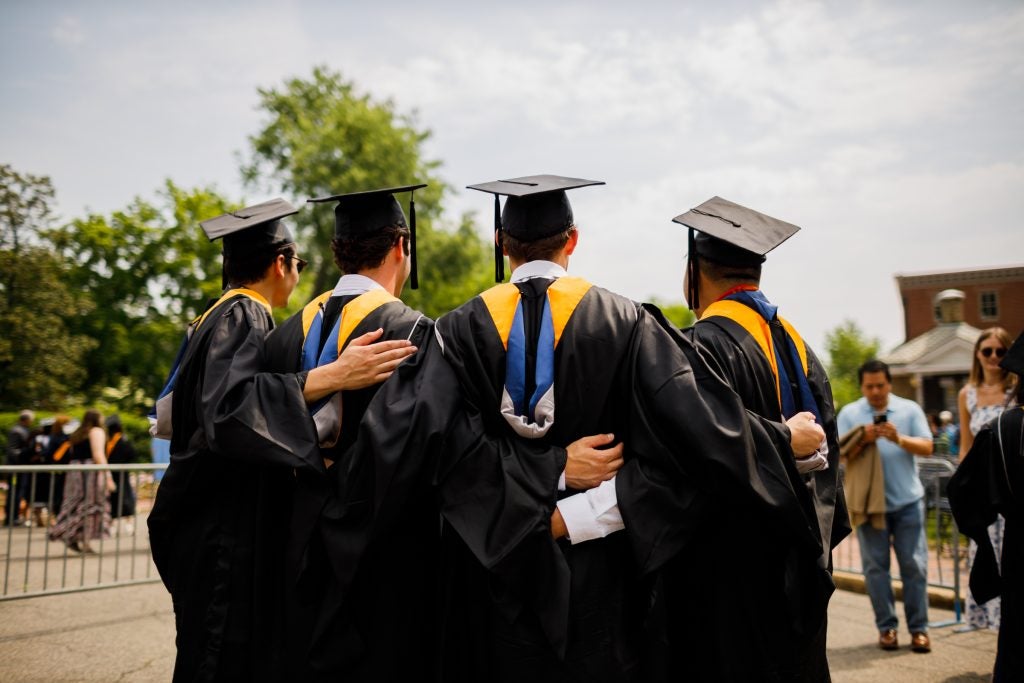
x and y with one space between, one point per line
889 131
68 32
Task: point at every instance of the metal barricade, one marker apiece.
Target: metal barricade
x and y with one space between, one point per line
35 563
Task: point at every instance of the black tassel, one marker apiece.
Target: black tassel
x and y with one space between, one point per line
692 299
499 258
414 281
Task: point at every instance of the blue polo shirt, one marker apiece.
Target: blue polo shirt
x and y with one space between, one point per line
902 483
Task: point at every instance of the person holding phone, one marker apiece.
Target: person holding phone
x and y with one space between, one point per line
899 428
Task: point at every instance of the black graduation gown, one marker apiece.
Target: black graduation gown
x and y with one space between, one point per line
122 501
766 592
553 611
220 519
990 481
432 437
324 642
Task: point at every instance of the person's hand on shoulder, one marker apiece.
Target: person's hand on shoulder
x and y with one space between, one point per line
588 463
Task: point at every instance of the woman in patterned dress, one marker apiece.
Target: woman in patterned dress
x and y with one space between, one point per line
85 512
988 391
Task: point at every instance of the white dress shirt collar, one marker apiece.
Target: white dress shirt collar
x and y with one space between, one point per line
353 283
533 269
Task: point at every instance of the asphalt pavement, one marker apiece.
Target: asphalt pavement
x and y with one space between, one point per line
127 635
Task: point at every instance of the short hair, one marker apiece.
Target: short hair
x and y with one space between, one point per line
353 253
243 267
721 272
873 365
26 415
543 249
113 424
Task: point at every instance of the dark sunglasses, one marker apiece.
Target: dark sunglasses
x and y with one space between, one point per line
300 264
988 350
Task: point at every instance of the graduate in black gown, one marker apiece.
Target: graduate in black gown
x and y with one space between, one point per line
547 358
373 248
219 522
363 566
120 451
762 605
990 481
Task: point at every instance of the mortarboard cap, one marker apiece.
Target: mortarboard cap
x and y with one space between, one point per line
1014 360
361 213
729 234
537 207
734 235
252 228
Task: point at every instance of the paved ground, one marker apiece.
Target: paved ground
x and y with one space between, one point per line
117 634
956 657
127 635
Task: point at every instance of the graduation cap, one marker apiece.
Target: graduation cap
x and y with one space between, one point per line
729 234
362 213
251 229
1014 360
537 207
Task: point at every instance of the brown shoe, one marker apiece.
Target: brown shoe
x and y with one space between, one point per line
887 639
919 642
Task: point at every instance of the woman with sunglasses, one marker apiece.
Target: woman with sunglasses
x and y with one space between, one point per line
989 390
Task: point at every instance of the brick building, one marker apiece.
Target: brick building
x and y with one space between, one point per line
943 313
992 296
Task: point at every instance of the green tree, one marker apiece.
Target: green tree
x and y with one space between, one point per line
679 314
323 137
149 269
41 360
848 348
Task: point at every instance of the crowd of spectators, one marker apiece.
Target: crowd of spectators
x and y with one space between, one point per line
75 506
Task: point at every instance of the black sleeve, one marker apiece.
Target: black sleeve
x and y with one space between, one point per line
249 413
695 447
974 495
419 441
284 346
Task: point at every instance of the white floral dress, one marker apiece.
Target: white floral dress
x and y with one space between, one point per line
985 615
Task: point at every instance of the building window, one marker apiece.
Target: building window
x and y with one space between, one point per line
989 306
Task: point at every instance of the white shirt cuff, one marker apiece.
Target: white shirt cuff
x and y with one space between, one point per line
561 481
592 514
816 461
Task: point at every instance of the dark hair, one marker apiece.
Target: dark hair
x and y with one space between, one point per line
538 250
721 272
243 266
114 424
360 252
873 365
92 418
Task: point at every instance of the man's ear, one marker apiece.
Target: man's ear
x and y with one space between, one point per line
570 244
278 268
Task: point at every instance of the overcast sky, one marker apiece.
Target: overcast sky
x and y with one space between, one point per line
891 132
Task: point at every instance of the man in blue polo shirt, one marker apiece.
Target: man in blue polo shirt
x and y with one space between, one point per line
900 430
